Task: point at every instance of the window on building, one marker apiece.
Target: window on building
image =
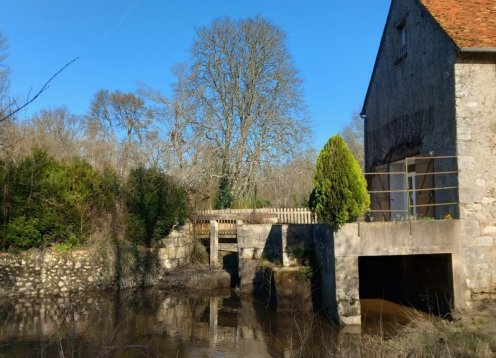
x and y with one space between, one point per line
403 41
403 35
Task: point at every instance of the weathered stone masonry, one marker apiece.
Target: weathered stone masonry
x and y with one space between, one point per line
37 272
476 150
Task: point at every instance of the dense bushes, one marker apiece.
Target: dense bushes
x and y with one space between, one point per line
44 202
340 190
155 205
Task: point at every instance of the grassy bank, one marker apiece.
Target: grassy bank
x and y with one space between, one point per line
470 334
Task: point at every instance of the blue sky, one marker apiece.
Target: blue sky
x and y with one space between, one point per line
122 43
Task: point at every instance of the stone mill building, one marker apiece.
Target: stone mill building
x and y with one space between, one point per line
430 133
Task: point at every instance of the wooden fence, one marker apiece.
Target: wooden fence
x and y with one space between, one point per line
227 229
283 215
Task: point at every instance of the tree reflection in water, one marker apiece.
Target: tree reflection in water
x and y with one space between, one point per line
166 324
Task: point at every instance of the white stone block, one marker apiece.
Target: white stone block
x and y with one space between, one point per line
167 264
247 253
481 241
480 182
350 320
489 230
487 200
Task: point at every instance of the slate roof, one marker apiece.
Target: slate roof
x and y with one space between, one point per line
469 23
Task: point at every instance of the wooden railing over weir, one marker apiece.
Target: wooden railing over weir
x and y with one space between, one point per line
283 215
227 219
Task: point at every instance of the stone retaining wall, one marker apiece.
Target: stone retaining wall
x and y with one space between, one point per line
39 272
175 249
271 242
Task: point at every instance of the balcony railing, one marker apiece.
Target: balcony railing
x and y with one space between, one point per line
415 188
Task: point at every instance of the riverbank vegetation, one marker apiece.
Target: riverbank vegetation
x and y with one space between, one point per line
134 163
471 333
47 202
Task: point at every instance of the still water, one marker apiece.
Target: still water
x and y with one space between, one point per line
154 323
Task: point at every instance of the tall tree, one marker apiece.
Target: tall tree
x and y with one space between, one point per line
247 99
123 118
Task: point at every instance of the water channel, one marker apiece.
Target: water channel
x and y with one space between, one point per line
159 323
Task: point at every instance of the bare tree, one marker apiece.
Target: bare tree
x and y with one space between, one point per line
185 155
288 185
56 130
353 135
122 119
247 99
14 108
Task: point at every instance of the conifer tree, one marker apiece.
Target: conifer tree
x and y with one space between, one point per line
340 190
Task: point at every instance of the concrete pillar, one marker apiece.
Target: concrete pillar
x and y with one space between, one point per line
346 251
338 261
214 244
347 293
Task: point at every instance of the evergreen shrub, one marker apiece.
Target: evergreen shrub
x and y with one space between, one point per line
46 202
155 204
340 190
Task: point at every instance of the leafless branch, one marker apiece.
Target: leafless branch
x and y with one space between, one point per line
42 89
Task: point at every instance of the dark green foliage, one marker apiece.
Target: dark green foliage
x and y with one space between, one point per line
45 202
340 190
155 204
22 233
223 199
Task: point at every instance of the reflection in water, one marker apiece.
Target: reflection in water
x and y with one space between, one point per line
165 324
150 322
384 317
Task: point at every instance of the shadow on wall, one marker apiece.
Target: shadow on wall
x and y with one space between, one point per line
326 274
296 270
273 249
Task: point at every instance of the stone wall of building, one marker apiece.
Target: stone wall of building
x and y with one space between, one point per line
476 150
39 272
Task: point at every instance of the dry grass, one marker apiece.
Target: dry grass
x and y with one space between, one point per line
470 334
199 256
473 334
